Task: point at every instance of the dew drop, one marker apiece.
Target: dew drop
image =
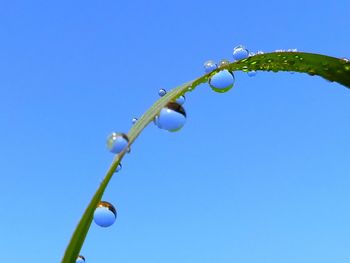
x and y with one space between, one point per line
80 259
105 214
119 167
117 142
134 120
209 66
222 81
171 118
251 54
223 63
181 100
251 73
240 52
161 92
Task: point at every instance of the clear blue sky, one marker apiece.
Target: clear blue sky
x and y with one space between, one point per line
260 174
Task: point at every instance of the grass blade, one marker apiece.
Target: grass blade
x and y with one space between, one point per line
330 68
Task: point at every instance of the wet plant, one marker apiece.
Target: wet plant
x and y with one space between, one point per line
168 113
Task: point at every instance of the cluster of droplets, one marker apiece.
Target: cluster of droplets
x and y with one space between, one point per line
172 117
223 80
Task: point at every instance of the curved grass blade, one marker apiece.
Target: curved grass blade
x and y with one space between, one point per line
330 68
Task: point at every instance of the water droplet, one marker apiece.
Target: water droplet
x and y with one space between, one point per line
181 100
161 92
223 63
222 81
311 72
240 52
105 214
80 259
134 120
171 118
119 167
251 54
209 66
117 142
251 73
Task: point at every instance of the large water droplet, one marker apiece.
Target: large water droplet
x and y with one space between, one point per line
117 142
161 92
181 100
80 259
240 52
105 214
171 118
209 66
222 81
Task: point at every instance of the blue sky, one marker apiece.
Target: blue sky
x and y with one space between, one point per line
258 174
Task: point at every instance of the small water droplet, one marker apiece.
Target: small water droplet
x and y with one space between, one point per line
117 142
171 118
311 72
105 214
240 52
223 63
222 81
161 92
209 66
181 100
80 259
251 73
119 167
134 120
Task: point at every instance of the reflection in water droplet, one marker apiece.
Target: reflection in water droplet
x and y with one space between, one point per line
240 52
181 100
80 259
251 73
117 142
222 81
119 167
105 214
134 120
209 66
171 118
223 63
161 92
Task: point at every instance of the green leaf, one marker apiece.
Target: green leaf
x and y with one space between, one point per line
330 68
